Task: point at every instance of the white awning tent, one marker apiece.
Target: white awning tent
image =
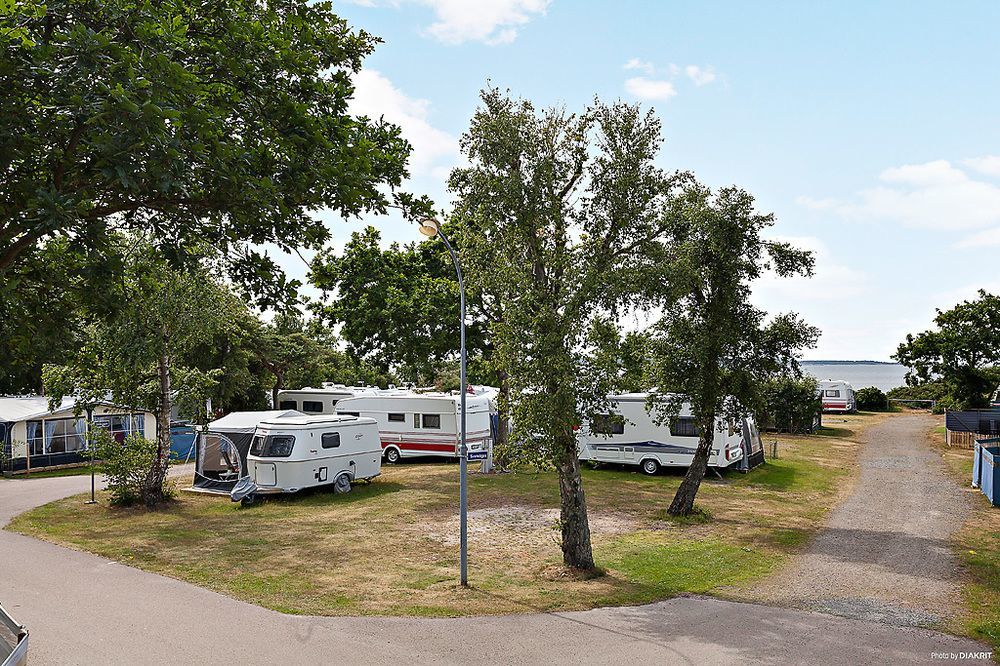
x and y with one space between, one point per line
217 465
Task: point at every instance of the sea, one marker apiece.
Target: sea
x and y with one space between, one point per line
858 374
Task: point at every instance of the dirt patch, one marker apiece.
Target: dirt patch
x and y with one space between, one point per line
523 525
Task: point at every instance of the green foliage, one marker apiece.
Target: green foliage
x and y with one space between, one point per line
44 300
711 346
398 307
871 399
932 390
127 467
555 219
223 122
789 404
962 351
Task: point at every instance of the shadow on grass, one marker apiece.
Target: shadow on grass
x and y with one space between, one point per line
836 432
324 495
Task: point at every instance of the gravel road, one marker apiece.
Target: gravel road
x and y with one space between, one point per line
884 555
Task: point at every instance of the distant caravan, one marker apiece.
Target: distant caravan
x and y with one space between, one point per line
322 400
628 434
424 424
837 396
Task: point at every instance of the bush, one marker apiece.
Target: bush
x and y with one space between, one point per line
790 404
129 466
871 399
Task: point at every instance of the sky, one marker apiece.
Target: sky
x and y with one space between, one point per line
870 129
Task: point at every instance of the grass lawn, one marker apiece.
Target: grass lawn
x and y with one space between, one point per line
977 545
391 547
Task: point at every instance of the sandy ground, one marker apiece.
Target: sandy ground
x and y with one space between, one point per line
884 555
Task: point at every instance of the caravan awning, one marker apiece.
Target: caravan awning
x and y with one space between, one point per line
247 422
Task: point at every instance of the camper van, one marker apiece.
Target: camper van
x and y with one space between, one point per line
424 424
837 395
291 453
320 400
628 434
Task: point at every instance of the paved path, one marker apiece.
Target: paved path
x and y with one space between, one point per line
885 553
83 609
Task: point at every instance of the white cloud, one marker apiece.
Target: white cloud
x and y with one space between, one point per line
375 96
988 165
650 89
641 65
701 76
933 195
988 238
939 173
831 280
488 21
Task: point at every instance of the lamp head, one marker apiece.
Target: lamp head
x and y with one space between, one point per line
430 227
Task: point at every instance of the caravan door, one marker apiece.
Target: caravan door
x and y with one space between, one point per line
628 454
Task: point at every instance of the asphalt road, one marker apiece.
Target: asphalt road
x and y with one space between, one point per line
83 609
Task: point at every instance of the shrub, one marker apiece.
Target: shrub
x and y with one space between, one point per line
871 399
790 404
128 466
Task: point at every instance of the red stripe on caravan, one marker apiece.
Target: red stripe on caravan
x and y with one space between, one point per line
422 446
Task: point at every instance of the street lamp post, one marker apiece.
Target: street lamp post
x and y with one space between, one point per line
431 228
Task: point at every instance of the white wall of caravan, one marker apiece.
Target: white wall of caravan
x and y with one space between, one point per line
642 438
410 440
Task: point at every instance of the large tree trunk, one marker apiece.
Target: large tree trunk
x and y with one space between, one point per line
577 552
279 383
153 492
683 502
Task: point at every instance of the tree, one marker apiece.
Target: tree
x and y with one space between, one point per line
556 211
871 399
138 354
789 403
42 302
223 123
397 307
712 347
963 351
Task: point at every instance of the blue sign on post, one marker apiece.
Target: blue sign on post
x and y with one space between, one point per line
477 455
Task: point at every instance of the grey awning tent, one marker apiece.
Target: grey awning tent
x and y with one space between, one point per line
222 448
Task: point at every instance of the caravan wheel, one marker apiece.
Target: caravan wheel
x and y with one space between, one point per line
392 455
342 485
650 466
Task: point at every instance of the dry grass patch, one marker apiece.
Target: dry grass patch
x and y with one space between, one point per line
391 547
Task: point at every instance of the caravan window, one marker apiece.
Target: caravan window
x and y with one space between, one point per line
331 440
288 404
397 418
684 426
258 445
832 393
431 421
312 406
607 424
278 446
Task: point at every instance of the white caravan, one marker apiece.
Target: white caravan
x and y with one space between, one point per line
294 452
837 395
628 434
424 424
321 400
